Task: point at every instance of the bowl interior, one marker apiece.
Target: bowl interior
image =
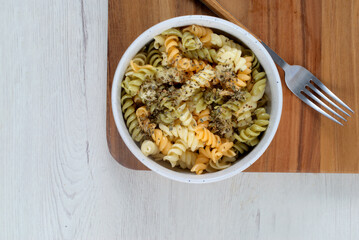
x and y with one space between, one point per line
273 91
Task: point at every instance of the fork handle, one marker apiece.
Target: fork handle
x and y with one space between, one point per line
278 60
218 9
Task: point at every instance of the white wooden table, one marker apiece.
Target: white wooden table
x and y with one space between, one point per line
58 180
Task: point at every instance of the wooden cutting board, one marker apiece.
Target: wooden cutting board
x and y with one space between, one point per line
322 36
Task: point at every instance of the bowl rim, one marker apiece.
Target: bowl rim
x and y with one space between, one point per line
236 32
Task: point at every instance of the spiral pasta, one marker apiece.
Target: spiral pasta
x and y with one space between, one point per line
130 117
203 118
167 117
159 41
232 105
174 153
198 102
189 65
139 59
219 165
243 76
136 68
244 119
142 117
213 155
203 33
171 44
219 40
187 90
185 116
228 55
195 98
132 84
206 136
260 79
226 148
204 77
206 54
190 42
240 147
201 164
259 125
154 57
149 148
215 97
223 112
187 160
174 57
188 136
161 141
173 31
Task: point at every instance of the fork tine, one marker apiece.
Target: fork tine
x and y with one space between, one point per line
311 104
306 91
327 99
325 89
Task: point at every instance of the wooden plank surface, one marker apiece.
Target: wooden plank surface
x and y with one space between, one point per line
319 35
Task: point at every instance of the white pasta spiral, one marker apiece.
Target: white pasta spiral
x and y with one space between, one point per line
185 116
149 148
204 77
187 159
228 55
219 40
175 152
188 136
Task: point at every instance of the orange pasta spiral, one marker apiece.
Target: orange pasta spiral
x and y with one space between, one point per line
226 148
201 164
235 84
174 57
189 65
213 154
171 45
137 67
142 117
243 77
206 136
249 60
203 33
161 141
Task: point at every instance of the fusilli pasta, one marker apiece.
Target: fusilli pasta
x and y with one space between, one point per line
259 125
207 54
154 57
187 160
198 95
203 33
175 152
206 136
130 117
149 148
190 42
201 164
161 141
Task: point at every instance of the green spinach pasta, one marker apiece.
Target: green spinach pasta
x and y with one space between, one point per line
195 99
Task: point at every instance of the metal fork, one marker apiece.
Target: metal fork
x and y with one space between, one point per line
300 81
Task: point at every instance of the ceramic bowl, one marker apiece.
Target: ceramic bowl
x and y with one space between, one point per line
273 91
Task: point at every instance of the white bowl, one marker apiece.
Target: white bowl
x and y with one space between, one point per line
273 91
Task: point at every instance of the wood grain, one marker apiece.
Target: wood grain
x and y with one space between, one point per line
303 32
220 11
58 180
